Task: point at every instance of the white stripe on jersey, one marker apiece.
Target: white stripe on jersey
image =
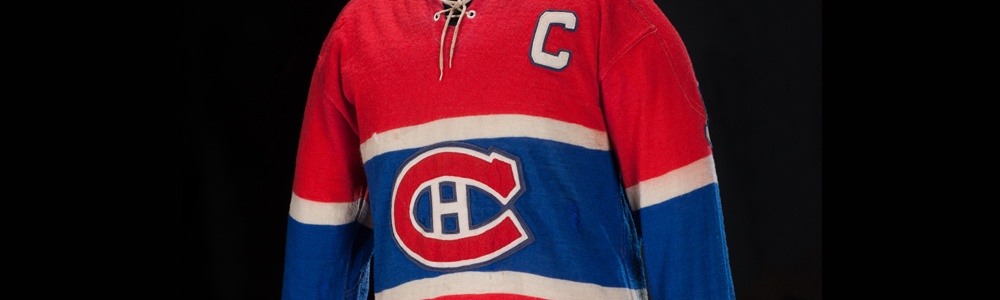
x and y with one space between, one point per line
481 127
321 213
678 182
506 282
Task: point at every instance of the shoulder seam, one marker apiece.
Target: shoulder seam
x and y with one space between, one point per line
642 13
614 61
651 29
673 70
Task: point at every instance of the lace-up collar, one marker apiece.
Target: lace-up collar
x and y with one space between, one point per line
462 9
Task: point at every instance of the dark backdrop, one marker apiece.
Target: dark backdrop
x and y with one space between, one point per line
245 69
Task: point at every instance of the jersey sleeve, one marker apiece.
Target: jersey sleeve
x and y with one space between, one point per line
329 241
658 129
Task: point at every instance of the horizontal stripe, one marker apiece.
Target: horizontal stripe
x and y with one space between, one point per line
306 211
678 182
581 197
495 296
506 282
481 127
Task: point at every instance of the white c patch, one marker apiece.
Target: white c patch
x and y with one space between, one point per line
552 61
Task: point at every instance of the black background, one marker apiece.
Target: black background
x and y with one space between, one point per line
246 66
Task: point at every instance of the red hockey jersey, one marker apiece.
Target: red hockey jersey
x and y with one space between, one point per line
559 151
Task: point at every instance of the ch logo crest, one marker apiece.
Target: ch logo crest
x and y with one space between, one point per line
439 198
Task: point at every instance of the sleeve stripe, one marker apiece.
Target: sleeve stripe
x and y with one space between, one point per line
329 213
678 182
478 127
505 282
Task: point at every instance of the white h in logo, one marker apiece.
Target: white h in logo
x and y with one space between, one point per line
456 206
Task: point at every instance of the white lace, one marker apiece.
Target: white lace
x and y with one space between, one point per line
462 7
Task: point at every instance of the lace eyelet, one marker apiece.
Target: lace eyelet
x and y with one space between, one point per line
471 14
436 17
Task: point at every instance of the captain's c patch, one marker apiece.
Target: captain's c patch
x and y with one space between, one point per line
539 57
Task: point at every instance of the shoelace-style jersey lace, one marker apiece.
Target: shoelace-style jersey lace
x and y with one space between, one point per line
456 5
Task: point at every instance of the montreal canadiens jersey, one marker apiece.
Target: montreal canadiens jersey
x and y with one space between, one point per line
559 151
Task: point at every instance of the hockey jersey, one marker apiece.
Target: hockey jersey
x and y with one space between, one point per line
559 150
